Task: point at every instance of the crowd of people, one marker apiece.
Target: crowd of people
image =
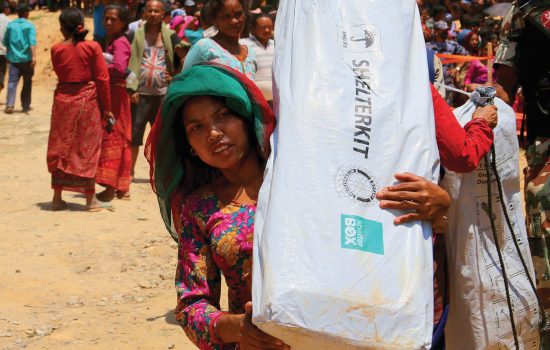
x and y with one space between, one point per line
199 72
141 56
460 28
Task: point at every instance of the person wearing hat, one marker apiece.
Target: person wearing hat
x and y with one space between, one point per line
442 45
20 43
189 6
177 12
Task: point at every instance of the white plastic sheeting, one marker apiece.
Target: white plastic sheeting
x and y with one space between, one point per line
479 317
331 270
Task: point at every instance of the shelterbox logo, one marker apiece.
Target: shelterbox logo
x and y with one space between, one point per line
361 234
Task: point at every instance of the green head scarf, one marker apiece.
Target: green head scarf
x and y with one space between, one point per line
174 173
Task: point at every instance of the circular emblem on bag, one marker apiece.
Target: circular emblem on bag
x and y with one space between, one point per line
357 184
545 19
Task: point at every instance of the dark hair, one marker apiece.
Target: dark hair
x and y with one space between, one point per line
437 9
205 17
267 8
470 21
4 5
72 22
456 7
257 17
215 6
123 14
22 9
489 37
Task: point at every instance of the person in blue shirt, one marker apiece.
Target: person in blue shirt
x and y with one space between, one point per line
100 33
20 43
442 44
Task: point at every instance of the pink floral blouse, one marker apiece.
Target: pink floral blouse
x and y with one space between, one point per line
216 238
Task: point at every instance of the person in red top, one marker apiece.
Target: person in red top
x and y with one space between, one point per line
115 163
81 99
460 150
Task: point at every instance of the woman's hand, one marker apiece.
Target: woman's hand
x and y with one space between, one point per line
134 98
251 338
167 78
109 120
487 113
108 115
428 200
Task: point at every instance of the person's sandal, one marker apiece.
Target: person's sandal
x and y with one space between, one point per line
8 110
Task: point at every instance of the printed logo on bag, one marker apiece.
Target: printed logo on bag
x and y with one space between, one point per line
357 184
361 234
360 38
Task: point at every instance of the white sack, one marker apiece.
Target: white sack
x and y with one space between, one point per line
479 315
331 271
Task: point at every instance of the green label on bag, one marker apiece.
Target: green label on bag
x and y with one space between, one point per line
362 234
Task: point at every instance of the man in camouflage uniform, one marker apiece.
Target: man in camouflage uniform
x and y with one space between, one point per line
523 58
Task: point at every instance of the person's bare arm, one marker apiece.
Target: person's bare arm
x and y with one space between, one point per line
508 79
239 329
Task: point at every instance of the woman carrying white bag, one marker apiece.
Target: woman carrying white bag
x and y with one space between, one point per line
198 281
198 306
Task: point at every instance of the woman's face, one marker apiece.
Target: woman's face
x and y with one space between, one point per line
263 29
217 135
484 51
230 19
424 15
112 22
474 41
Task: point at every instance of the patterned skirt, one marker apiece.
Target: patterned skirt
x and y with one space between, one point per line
115 163
74 143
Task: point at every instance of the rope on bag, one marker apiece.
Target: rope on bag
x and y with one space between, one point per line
497 245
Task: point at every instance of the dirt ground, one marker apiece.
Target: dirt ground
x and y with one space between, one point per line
72 279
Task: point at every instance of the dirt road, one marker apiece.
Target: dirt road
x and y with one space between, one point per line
72 279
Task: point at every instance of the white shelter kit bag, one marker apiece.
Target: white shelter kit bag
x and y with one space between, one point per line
331 270
479 317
